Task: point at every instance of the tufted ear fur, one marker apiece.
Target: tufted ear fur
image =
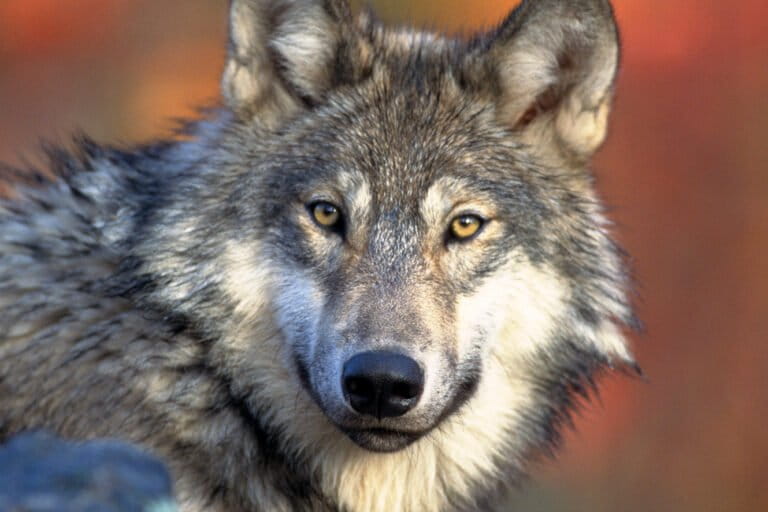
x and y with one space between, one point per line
553 63
282 54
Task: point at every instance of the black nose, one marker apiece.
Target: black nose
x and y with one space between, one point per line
382 384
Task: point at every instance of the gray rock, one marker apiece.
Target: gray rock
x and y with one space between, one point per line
40 473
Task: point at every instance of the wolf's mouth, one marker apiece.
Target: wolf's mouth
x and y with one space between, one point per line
382 439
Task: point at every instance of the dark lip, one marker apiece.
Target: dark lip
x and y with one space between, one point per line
382 440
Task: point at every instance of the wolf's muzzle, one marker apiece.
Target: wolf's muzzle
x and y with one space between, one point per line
382 384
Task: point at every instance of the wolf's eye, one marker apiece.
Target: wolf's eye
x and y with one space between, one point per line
326 214
466 226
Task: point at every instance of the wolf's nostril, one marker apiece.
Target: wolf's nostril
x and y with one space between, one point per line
404 390
382 384
359 386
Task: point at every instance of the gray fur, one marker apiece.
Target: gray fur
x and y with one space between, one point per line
179 295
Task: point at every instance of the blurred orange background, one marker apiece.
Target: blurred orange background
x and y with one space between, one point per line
684 170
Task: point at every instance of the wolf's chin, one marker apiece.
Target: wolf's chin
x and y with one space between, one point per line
382 440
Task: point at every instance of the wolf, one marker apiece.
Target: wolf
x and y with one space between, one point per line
376 277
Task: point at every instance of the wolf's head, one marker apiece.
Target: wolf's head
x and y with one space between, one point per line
412 212
424 204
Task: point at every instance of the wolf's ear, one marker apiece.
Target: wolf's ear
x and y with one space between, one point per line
281 53
553 64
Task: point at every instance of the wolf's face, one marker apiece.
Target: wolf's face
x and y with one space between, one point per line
427 234
385 249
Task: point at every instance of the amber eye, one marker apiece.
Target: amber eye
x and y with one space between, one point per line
326 214
466 226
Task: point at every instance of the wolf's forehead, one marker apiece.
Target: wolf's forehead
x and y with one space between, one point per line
401 143
398 156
